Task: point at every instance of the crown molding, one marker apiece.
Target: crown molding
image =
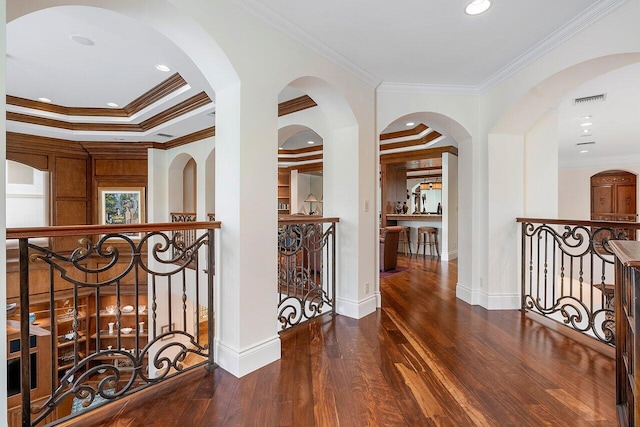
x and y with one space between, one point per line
427 89
404 133
426 139
577 24
266 13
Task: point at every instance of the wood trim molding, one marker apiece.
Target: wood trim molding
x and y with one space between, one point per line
404 133
296 104
425 175
427 153
177 110
187 139
32 144
129 150
420 141
309 167
425 169
300 159
157 92
301 150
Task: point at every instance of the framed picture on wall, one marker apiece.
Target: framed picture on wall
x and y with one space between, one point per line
122 205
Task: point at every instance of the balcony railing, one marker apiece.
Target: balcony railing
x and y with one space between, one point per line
567 272
117 313
306 269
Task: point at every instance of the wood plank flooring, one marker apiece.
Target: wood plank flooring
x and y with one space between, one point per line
424 359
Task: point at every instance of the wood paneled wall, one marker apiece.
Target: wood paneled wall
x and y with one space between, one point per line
76 171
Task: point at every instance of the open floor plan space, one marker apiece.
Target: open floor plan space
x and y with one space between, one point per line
425 358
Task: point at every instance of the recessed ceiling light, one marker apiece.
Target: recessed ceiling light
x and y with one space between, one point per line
586 124
280 148
584 151
409 123
310 142
112 104
586 130
47 100
586 117
162 67
476 7
85 41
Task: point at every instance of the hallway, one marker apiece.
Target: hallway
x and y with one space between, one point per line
424 359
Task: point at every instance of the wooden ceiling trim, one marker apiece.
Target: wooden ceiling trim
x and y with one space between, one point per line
301 150
425 169
421 141
187 139
296 104
177 110
309 167
427 153
23 143
156 93
115 150
425 175
300 159
404 133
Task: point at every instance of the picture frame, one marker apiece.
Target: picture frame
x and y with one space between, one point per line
122 205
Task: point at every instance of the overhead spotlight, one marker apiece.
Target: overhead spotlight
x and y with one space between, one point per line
112 104
410 124
310 142
47 100
162 67
586 124
477 7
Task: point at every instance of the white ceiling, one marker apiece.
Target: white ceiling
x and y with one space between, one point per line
412 42
427 42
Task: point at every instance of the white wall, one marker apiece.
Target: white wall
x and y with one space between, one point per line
574 188
450 206
541 168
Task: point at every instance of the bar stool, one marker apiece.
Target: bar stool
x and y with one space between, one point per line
404 241
428 236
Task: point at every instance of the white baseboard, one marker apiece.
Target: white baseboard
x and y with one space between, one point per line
490 302
378 296
247 360
448 256
356 309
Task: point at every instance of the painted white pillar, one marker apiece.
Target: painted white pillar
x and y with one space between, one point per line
449 243
506 202
246 173
466 289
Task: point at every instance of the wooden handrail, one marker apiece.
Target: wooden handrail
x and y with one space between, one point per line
627 251
586 223
305 219
80 230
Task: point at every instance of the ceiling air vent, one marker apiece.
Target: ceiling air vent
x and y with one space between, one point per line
592 98
586 143
164 135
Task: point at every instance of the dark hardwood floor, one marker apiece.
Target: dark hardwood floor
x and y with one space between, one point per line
424 359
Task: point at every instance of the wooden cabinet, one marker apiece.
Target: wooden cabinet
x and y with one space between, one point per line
613 198
284 191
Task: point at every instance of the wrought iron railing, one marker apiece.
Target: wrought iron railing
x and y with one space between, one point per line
184 236
122 313
567 272
306 269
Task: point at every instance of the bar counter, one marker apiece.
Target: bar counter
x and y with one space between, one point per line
413 221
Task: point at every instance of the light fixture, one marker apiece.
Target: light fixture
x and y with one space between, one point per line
586 130
584 151
280 148
310 142
162 67
586 117
586 124
85 41
311 198
410 124
47 100
476 7
112 104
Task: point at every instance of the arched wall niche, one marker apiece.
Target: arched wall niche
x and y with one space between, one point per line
180 177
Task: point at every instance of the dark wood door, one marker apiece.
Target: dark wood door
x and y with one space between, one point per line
613 198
